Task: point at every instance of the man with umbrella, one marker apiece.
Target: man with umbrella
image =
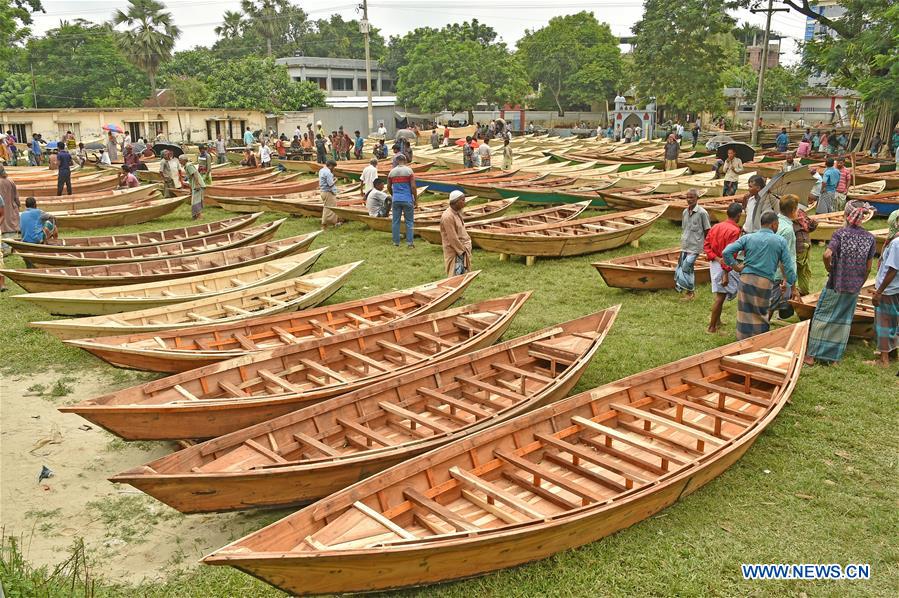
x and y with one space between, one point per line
733 166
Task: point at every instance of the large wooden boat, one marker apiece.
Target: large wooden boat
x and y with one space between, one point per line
310 205
227 396
652 270
220 172
829 223
675 203
427 215
242 304
123 215
562 476
561 213
115 197
132 240
862 320
884 203
321 449
99 182
354 172
131 297
86 277
238 238
573 237
256 190
197 346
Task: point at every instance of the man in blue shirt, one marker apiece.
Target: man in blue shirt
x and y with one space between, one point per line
764 252
401 186
782 140
64 175
34 151
248 138
35 224
829 182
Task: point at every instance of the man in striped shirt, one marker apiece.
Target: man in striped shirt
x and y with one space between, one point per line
401 187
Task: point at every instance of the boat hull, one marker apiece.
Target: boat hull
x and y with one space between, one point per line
644 279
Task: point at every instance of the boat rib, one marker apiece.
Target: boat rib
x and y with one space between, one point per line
561 213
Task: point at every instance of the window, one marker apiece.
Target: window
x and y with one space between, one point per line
342 83
321 81
19 131
75 128
155 127
298 79
364 87
387 85
134 129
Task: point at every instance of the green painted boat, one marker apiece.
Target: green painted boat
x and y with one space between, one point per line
554 196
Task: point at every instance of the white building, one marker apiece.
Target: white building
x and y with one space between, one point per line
342 79
832 10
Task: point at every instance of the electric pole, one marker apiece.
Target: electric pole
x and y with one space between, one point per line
365 28
757 113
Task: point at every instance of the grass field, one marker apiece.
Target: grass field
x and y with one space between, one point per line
819 486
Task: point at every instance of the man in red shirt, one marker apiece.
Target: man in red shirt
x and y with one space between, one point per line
725 282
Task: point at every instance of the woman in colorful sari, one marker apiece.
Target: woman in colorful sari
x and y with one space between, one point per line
886 295
848 260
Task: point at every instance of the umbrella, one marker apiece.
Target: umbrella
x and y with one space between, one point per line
138 147
721 139
52 145
798 182
406 133
113 128
744 151
176 150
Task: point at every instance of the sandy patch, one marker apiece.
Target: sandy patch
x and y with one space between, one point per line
128 535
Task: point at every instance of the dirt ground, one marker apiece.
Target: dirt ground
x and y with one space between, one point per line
134 537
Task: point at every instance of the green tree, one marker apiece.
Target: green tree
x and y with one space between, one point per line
680 51
784 86
336 38
199 62
150 36
79 64
232 25
574 59
15 17
267 18
254 83
445 72
397 51
15 91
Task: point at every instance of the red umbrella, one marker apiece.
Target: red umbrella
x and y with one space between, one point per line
113 128
461 141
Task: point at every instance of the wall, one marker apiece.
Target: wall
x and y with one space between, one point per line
546 119
352 119
183 124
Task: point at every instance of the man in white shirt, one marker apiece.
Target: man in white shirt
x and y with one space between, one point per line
104 157
369 176
376 200
298 133
382 130
755 204
485 152
265 155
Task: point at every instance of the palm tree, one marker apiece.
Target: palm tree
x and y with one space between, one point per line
268 18
150 37
232 25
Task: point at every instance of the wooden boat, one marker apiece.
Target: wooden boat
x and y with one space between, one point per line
235 190
862 320
220 172
80 185
426 216
865 189
131 297
124 215
652 270
574 237
890 179
830 223
185 349
355 172
85 277
315 451
562 476
115 197
311 205
238 238
884 203
134 240
571 191
561 213
241 304
230 395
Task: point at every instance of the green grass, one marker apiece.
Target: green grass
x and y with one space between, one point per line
820 485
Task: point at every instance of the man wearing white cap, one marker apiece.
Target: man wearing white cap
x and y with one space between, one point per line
454 237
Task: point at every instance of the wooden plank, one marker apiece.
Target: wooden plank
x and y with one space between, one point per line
359 319
457 403
695 406
399 531
729 392
507 516
364 431
635 442
490 388
413 417
543 493
322 370
760 375
401 349
491 490
434 339
278 380
586 473
441 511
550 476
639 413
366 359
265 451
589 456
748 362
521 373
231 389
245 342
316 444
185 393
285 336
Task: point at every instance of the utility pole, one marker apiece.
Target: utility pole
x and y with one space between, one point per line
365 28
33 82
754 139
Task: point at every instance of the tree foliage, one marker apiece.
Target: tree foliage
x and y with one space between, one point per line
453 70
681 47
254 83
784 86
397 52
336 38
79 64
15 91
149 35
575 59
15 17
